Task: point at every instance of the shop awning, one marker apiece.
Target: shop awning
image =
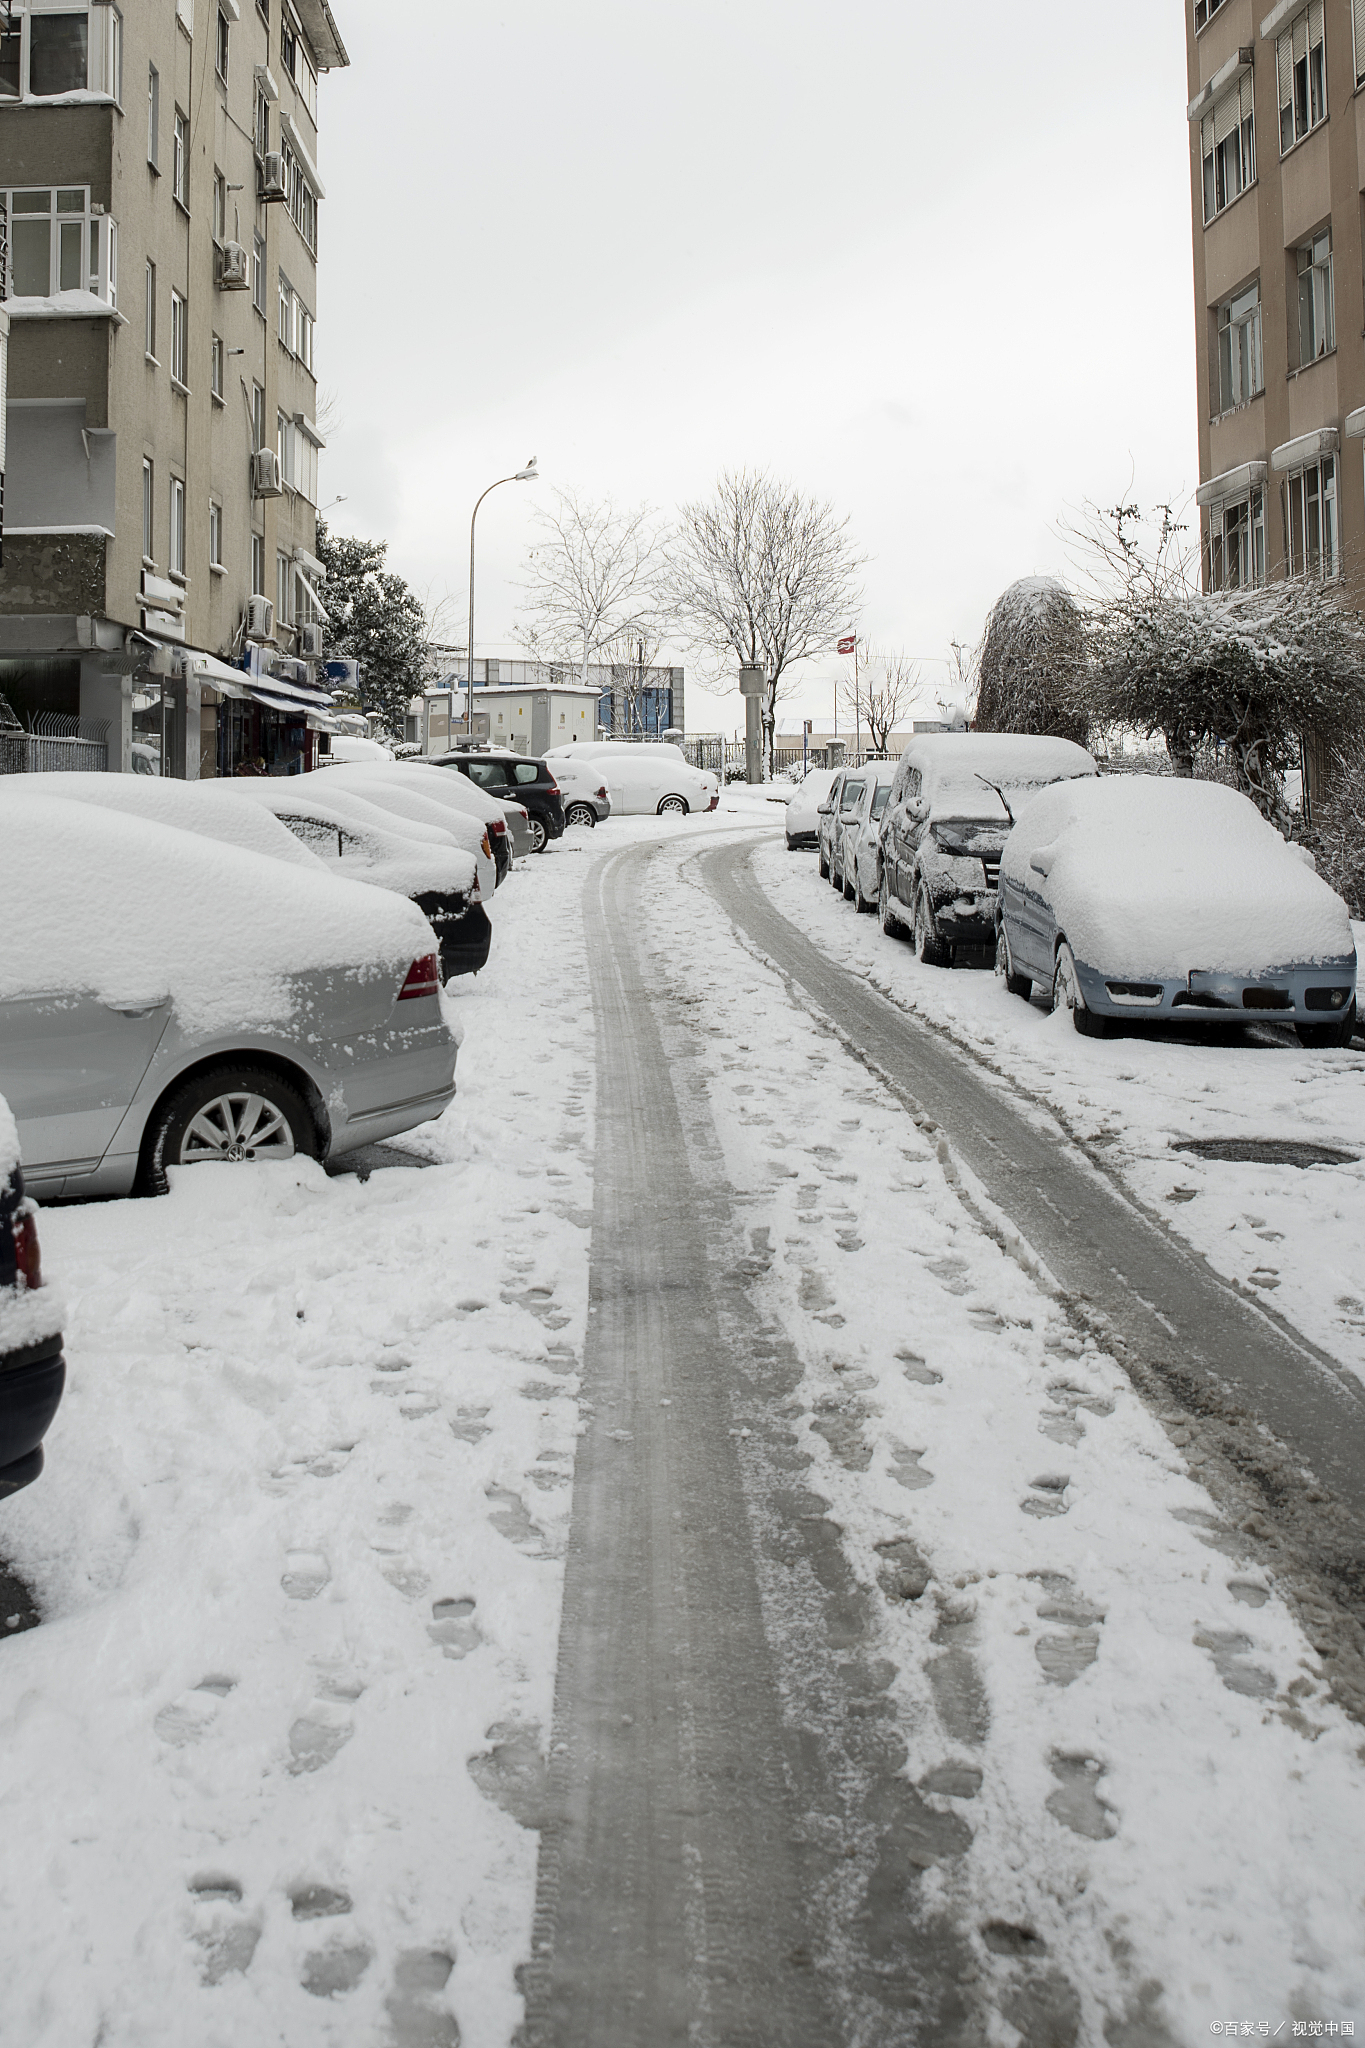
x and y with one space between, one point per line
232 682
280 695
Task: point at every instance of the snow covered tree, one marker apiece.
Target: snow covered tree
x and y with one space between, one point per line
880 691
1032 663
766 576
592 577
376 620
1242 673
1337 836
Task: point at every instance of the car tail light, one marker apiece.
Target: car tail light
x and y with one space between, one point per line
496 825
552 787
486 848
424 978
26 1254
602 794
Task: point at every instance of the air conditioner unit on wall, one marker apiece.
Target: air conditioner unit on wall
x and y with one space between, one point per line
234 273
260 619
310 640
273 184
265 474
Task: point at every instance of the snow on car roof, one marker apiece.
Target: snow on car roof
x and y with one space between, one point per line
165 802
1160 875
131 911
406 854
958 766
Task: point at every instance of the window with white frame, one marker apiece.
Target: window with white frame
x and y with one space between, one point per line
1301 71
1236 543
221 46
219 208
258 273
60 242
180 161
51 49
305 604
1204 11
258 427
216 366
1240 367
305 328
258 565
284 580
153 117
302 199
149 322
215 534
298 454
1310 519
261 135
1228 138
299 65
148 506
1317 318
1358 10
180 355
177 530
286 315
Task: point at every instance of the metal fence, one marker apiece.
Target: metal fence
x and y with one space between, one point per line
58 742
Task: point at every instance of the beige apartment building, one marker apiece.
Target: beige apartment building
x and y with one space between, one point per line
158 174
1277 168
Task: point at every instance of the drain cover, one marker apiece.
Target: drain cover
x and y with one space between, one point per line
1266 1151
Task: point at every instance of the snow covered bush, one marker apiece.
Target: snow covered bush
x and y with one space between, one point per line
1337 836
1032 663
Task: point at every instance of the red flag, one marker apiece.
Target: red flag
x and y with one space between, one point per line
848 643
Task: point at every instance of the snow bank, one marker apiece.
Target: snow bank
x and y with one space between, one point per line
131 911
164 802
1154 875
958 766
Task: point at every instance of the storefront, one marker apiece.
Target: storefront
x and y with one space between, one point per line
272 718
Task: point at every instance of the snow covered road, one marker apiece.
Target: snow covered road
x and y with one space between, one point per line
913 1686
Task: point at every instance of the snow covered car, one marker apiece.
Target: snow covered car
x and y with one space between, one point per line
646 777
952 806
803 822
166 998
583 786
525 780
1153 897
519 830
833 809
860 854
32 1368
365 842
411 791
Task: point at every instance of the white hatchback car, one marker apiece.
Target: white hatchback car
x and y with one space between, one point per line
645 777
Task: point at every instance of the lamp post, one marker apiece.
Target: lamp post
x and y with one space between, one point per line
520 476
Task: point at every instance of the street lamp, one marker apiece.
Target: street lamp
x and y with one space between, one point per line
522 476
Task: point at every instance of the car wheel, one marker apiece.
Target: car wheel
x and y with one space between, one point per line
580 814
1318 1037
929 947
229 1115
1066 995
1017 984
540 837
860 902
824 868
886 916
673 807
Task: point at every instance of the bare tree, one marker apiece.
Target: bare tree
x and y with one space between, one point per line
632 655
880 690
592 573
764 574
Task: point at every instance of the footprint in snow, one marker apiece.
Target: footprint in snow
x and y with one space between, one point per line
306 1573
1076 1802
333 1971
415 2008
1064 1657
185 1719
915 1369
1048 1496
225 1936
316 1737
512 1774
453 1627
468 1424
318 1902
1229 1652
1062 1422
905 1467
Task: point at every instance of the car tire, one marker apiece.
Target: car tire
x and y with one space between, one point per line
1066 995
891 924
929 947
1321 1037
861 903
580 814
229 1113
673 807
1017 984
540 836
824 868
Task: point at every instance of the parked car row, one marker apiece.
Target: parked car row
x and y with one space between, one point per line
1114 897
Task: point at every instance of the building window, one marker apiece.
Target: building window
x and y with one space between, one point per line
49 52
262 134
149 333
1204 11
258 273
184 10
148 502
215 534
258 429
219 208
221 47
302 200
304 328
1301 69
1229 148
216 366
153 118
289 44
1237 543
1241 369
286 312
1317 320
284 578
59 243
180 165
179 339
177 540
1310 519
258 565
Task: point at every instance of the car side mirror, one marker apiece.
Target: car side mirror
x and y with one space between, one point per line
1041 860
823 810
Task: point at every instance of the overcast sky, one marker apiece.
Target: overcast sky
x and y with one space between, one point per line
932 264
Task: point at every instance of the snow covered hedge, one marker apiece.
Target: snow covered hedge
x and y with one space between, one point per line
1031 671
